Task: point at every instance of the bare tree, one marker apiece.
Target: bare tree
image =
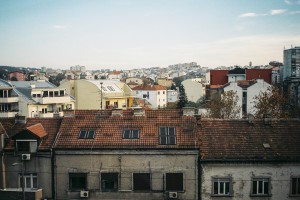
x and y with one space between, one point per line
224 106
271 102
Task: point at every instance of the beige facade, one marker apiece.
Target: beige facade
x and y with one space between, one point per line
88 94
156 163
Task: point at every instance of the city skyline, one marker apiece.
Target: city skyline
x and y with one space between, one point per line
126 34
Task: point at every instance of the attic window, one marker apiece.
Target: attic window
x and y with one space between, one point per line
26 146
131 134
266 145
110 88
86 134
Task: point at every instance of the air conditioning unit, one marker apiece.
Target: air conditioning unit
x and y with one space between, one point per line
173 195
25 156
84 194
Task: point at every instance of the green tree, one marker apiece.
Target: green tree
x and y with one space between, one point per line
224 106
273 103
182 97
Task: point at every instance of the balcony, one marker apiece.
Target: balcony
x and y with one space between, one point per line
51 100
7 114
49 114
9 99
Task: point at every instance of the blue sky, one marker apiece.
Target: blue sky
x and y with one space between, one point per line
126 34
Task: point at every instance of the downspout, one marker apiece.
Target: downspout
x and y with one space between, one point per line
3 172
199 178
53 185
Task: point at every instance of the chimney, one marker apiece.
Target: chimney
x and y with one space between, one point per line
188 111
32 85
117 112
138 111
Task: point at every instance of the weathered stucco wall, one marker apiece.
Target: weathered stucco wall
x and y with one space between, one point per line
241 174
125 163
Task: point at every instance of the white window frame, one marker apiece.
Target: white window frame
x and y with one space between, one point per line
31 177
222 181
263 180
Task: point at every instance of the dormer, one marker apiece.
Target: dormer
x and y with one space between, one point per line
28 140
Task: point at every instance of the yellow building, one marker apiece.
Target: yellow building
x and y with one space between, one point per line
99 94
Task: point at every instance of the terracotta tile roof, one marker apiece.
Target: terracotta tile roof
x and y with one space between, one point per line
38 130
215 86
238 139
50 125
109 130
149 87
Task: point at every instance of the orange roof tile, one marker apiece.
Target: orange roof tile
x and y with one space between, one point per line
149 87
38 130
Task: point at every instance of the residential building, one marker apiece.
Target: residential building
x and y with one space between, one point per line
167 82
115 75
172 96
221 77
249 159
194 89
290 75
99 94
18 75
28 153
34 99
246 92
156 95
149 154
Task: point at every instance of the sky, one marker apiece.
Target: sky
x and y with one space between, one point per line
128 34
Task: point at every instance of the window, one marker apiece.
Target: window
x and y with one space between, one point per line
61 93
174 181
77 181
141 182
167 135
109 182
131 134
30 180
295 186
158 92
56 93
110 88
221 186
26 146
86 134
260 187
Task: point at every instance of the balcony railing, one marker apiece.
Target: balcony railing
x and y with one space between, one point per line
55 99
9 113
9 99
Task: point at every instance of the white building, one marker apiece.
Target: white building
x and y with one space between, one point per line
246 91
172 96
33 99
194 89
156 95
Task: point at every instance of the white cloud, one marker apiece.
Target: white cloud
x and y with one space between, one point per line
251 14
59 26
277 12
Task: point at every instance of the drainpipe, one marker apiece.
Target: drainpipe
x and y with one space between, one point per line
199 177
53 185
3 172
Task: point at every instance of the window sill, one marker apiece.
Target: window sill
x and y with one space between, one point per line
294 195
260 195
222 195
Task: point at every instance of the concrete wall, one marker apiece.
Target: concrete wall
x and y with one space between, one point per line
39 164
125 163
241 174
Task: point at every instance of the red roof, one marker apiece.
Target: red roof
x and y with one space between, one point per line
149 87
109 130
38 130
265 74
218 77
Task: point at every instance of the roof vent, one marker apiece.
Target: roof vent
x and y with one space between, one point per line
32 85
138 111
188 111
117 112
250 118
